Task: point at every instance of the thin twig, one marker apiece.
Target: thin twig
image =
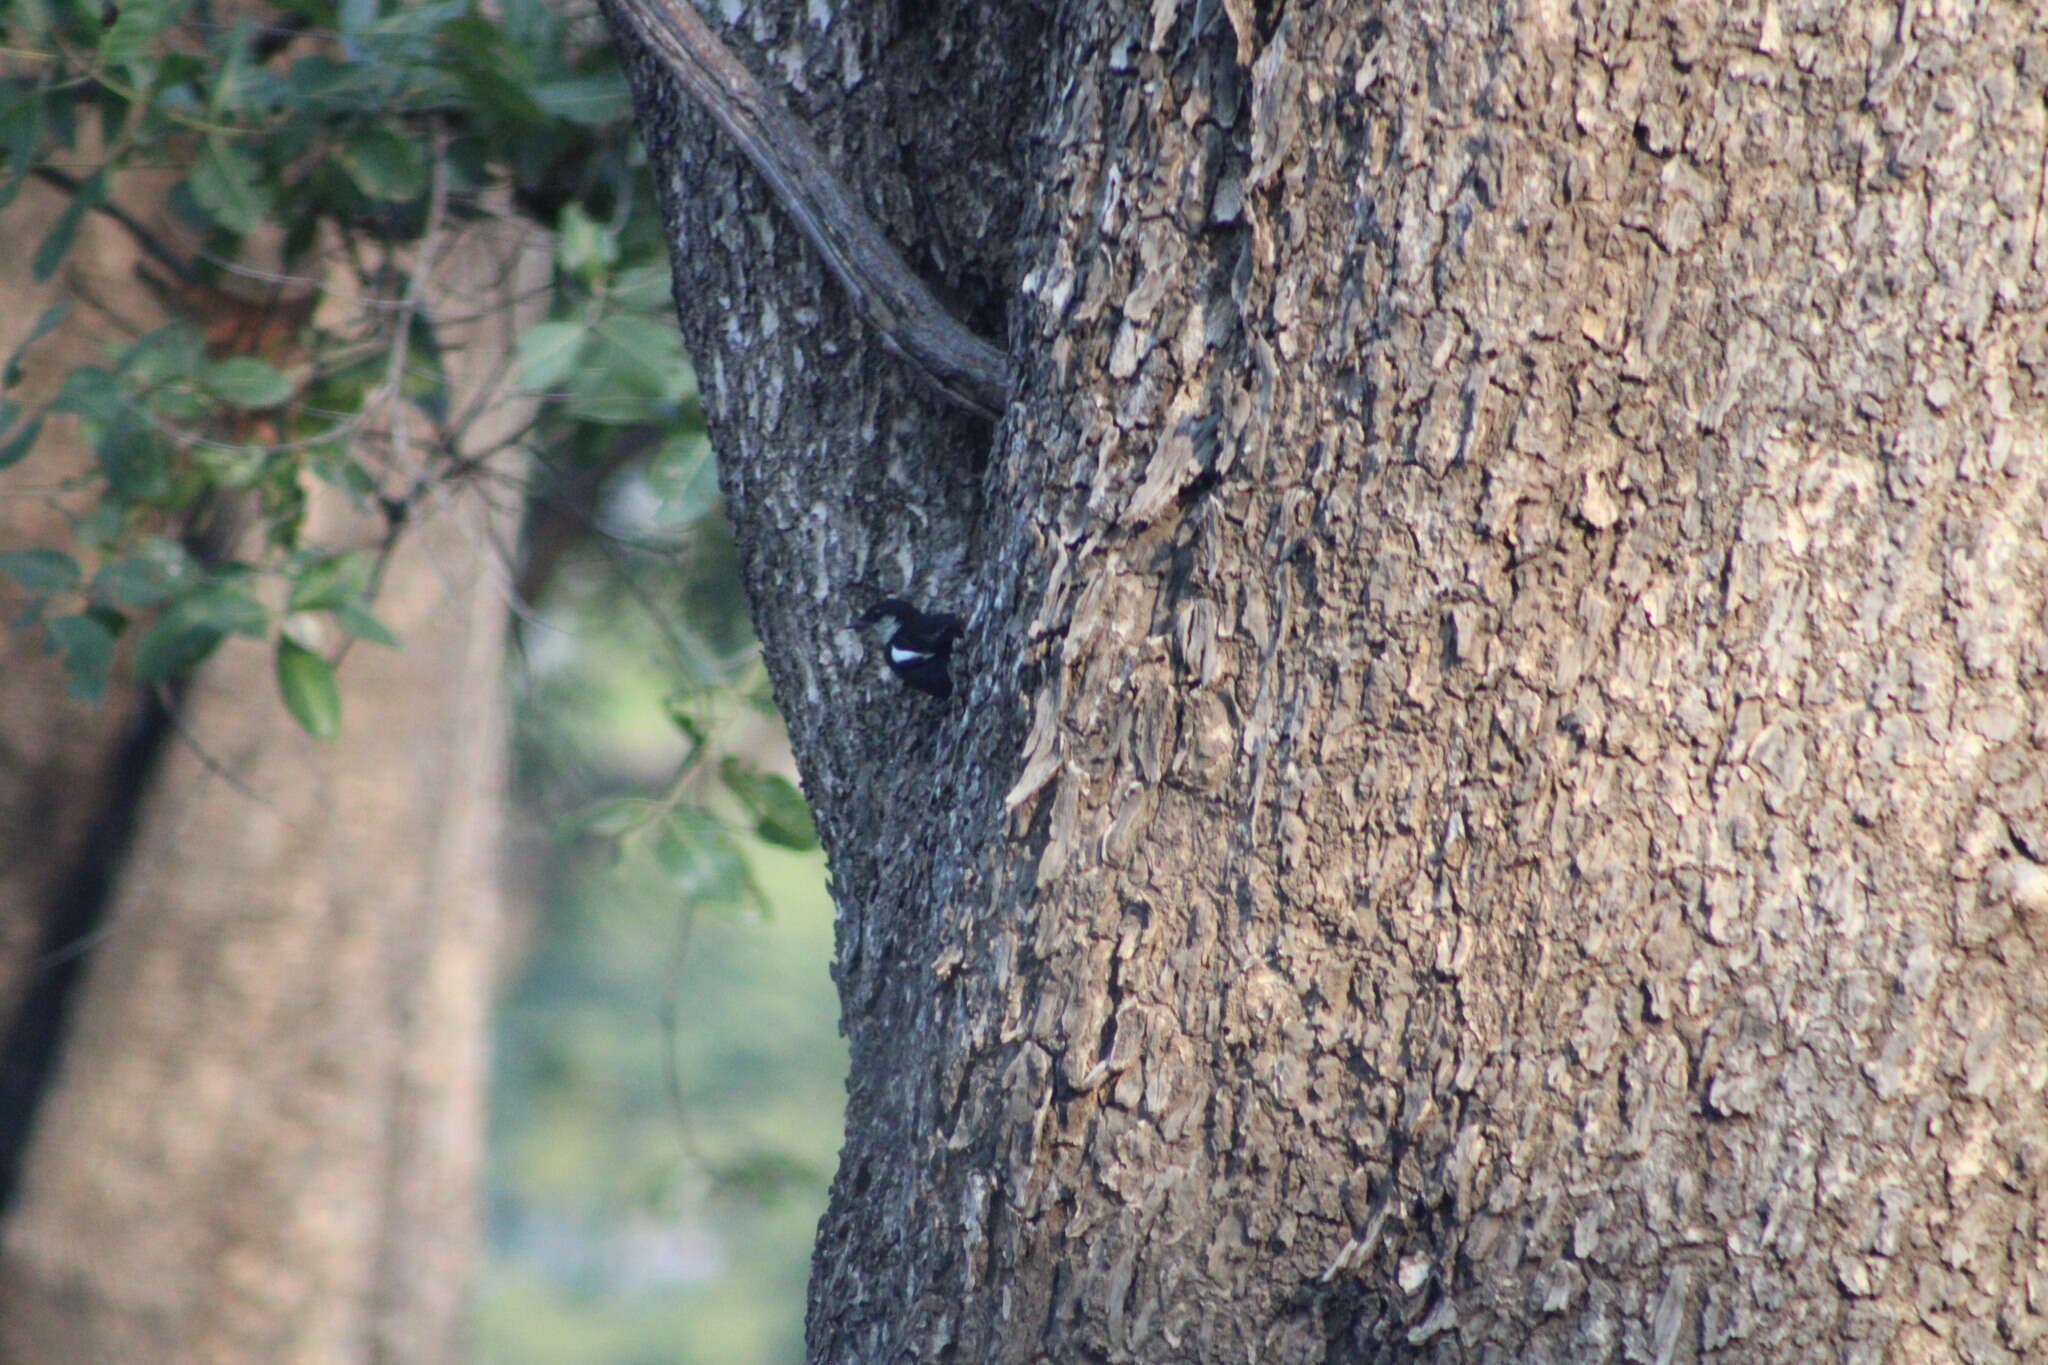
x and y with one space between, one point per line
152 244
168 699
913 323
415 300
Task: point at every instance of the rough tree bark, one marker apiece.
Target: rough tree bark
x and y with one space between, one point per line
258 1142
1499 801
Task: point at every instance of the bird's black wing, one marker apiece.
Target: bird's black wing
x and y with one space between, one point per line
927 674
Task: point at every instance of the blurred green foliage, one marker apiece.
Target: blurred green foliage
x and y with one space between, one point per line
356 140
668 1090
668 1100
631 1223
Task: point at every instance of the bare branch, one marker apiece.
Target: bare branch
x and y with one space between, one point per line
913 324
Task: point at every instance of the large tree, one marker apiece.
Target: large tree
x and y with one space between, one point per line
245 975
1497 801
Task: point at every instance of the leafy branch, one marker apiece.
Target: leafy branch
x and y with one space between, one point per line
362 143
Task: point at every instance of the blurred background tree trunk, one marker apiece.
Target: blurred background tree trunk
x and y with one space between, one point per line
67 770
1496 807
257 1132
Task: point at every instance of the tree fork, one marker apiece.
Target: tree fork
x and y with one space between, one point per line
912 322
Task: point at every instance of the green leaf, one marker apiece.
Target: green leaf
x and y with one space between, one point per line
306 682
426 377
332 464
283 500
232 79
134 29
246 382
57 241
171 354
683 475
548 352
226 184
131 583
656 342
226 609
682 714
615 818
385 165
234 468
99 525
18 444
584 247
788 824
193 626
23 124
647 287
132 457
356 619
494 73
678 850
411 21
151 575
781 816
10 373
41 570
356 16
89 391
591 101
328 581
172 646
88 648
633 371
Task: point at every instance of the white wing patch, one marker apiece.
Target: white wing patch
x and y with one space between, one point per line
900 656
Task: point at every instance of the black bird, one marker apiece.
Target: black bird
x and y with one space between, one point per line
921 645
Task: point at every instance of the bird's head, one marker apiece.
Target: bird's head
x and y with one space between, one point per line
888 609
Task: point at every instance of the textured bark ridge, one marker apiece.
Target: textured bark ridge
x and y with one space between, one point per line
1500 810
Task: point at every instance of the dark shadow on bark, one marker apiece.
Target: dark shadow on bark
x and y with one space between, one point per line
71 920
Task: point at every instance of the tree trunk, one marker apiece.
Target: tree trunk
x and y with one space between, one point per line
58 796
1497 800
258 1142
